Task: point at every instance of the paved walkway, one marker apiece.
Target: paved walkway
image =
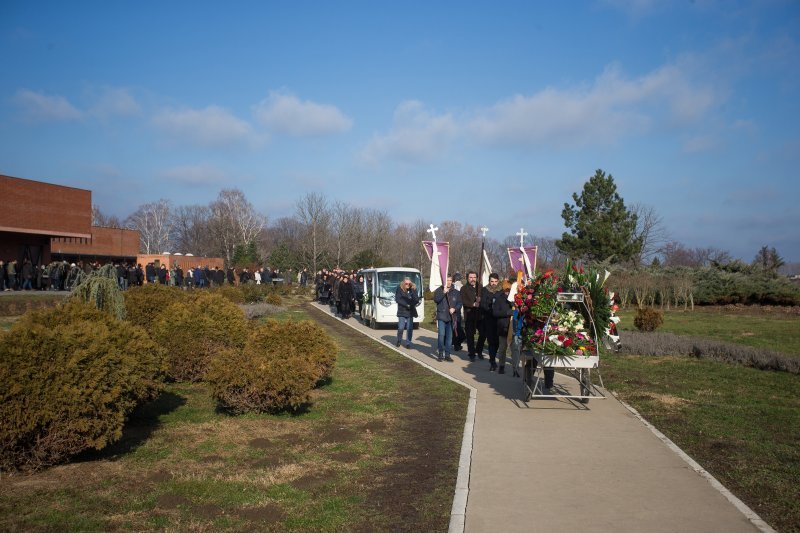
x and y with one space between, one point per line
553 466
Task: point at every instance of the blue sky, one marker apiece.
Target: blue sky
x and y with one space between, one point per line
490 113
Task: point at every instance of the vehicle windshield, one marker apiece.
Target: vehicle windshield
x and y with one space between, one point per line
389 281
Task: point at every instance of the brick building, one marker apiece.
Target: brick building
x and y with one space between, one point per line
38 220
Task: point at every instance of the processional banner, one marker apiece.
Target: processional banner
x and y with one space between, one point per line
439 255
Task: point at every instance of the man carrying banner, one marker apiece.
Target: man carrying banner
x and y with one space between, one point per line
448 303
488 323
472 315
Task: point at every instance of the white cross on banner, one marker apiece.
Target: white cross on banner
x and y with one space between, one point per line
523 259
439 254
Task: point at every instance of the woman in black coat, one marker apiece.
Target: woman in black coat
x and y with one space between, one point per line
407 299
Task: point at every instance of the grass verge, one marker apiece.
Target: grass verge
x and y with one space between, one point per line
740 424
773 331
366 456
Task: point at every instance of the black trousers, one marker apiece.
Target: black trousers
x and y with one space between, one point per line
472 323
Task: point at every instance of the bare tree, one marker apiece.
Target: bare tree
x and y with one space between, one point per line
153 221
233 222
650 229
314 213
101 219
190 229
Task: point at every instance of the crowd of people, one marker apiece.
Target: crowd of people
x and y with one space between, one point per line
483 317
343 290
61 275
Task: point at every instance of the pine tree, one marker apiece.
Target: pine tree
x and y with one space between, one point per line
600 227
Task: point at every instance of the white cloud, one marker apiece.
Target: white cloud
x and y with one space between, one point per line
115 102
212 126
285 113
416 136
41 107
610 108
202 174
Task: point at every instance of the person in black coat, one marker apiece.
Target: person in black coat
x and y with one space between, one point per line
501 313
150 272
407 299
346 297
448 303
488 322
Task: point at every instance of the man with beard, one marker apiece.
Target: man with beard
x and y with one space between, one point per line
488 296
472 316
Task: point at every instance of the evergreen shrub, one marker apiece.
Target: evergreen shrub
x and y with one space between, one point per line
69 376
273 299
277 369
648 319
253 293
145 304
193 330
231 293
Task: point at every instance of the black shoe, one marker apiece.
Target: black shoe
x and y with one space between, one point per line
440 357
448 358
492 367
472 357
516 374
480 356
397 343
501 370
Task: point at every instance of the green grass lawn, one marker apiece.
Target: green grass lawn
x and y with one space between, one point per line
740 424
778 332
365 456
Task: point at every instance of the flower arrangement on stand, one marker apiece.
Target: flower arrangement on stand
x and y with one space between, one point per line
560 328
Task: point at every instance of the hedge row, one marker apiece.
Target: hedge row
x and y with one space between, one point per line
657 343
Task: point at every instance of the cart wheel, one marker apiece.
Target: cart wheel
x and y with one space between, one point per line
586 383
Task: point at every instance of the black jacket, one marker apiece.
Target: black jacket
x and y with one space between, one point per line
407 301
442 311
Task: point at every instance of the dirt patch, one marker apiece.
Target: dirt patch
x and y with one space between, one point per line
208 511
270 461
310 482
159 476
345 456
376 426
212 459
172 501
264 515
293 439
339 435
261 443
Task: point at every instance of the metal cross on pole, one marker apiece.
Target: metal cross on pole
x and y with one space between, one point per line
521 233
484 229
432 230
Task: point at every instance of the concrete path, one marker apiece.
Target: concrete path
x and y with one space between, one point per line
554 466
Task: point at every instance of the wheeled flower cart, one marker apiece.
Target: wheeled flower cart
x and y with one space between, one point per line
583 365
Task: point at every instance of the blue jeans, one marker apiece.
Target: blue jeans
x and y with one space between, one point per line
405 323
445 341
